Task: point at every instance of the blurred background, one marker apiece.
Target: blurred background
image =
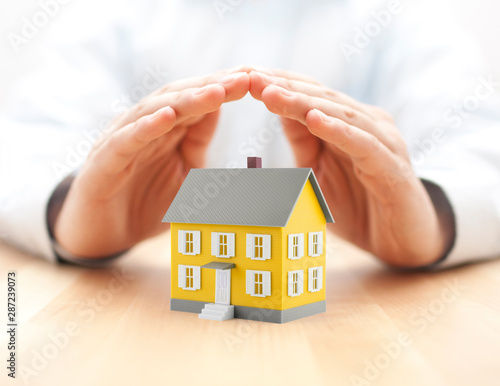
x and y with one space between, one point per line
479 17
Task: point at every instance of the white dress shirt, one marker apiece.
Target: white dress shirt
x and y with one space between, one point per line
412 59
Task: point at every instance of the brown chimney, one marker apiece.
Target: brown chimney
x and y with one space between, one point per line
254 162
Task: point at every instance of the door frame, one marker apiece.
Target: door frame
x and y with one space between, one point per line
218 277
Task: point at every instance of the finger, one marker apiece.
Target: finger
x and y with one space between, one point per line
295 105
123 145
186 103
285 74
195 143
239 72
305 146
368 154
232 87
259 81
383 174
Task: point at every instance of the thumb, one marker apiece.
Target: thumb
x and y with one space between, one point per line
305 146
198 136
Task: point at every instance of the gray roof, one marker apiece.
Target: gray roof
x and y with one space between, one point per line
255 197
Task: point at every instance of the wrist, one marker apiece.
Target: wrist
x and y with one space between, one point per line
54 208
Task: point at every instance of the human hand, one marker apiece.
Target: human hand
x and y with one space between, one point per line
362 164
133 173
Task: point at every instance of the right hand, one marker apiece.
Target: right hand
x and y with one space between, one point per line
131 176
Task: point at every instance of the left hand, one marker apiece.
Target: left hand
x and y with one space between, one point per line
362 165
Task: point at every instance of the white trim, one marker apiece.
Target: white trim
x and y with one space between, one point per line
295 283
181 278
181 245
267 283
319 244
250 246
251 283
197 242
231 247
222 286
265 247
216 244
181 240
319 278
295 246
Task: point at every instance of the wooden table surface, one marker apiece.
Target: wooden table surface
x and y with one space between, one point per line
113 326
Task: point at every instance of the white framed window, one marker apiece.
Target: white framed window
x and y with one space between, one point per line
315 279
189 242
222 244
258 246
258 283
295 282
189 277
315 243
295 246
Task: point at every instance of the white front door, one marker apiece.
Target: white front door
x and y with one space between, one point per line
222 286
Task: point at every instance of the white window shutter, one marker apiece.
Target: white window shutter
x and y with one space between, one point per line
290 246
310 279
230 245
301 245
320 278
310 244
215 244
300 284
181 279
320 243
181 242
266 276
196 278
290 283
196 242
250 282
266 239
250 246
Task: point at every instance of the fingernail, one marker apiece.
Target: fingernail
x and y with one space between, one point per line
263 69
240 68
266 78
231 77
157 113
201 90
322 115
284 92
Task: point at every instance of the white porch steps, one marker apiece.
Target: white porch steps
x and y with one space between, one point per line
219 312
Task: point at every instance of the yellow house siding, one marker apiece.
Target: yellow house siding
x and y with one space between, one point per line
306 217
238 274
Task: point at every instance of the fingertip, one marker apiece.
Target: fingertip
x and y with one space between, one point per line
280 101
314 116
212 94
235 85
166 113
241 68
258 82
316 121
270 93
276 91
156 124
234 78
262 69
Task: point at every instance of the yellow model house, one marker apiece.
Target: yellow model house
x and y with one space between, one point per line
249 243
